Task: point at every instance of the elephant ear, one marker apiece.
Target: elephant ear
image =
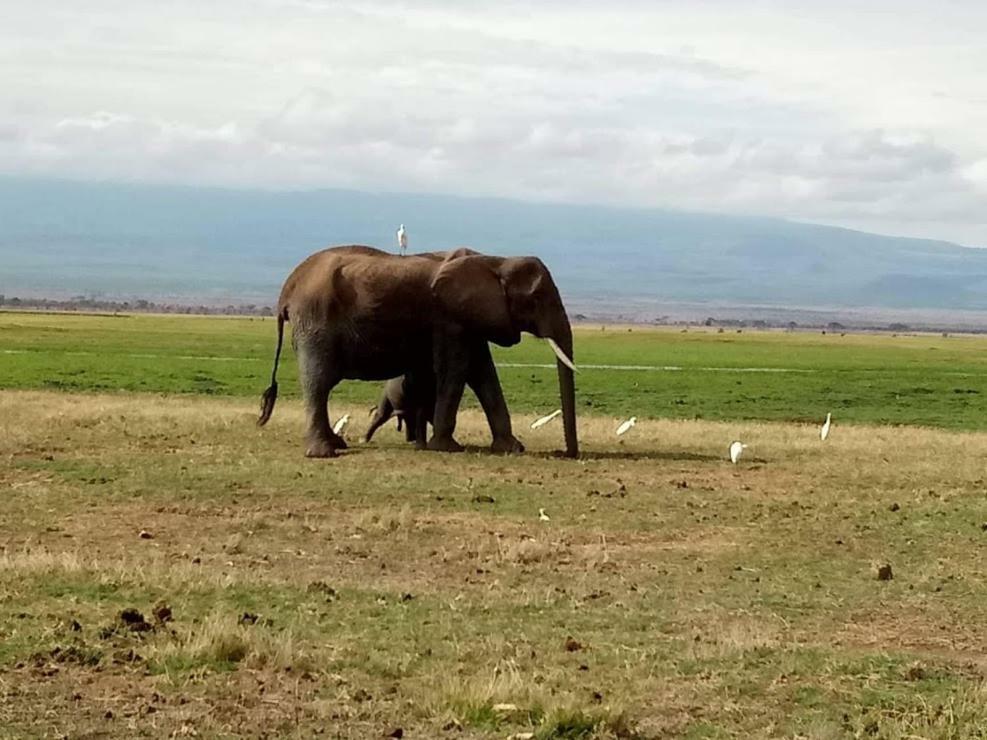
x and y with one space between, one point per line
524 280
468 290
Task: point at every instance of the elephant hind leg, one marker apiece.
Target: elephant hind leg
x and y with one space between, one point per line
420 433
318 378
450 363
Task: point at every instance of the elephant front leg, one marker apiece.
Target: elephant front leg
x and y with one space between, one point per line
483 380
317 381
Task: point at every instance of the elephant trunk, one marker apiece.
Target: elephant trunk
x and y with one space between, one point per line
561 336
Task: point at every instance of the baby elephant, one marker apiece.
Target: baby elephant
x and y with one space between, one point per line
409 399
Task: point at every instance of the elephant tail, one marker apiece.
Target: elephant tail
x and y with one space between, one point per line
271 394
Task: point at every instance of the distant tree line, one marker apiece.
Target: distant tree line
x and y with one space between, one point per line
81 303
99 305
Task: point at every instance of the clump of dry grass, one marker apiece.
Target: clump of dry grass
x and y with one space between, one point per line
235 544
575 723
153 569
35 561
487 699
736 634
527 550
505 698
387 521
955 717
220 640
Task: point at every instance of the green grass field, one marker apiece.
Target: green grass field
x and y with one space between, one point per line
167 569
925 379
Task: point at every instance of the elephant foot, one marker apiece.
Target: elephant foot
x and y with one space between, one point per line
337 442
321 448
420 444
444 445
507 446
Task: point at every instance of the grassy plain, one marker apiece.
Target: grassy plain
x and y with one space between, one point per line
671 594
699 374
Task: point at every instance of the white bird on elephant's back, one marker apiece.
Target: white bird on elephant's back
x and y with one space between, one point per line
402 240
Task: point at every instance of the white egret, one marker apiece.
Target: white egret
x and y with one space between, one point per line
824 432
340 423
543 516
545 419
626 426
736 449
402 239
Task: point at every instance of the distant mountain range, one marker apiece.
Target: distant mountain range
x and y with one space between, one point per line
210 245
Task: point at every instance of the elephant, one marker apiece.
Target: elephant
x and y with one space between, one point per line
364 314
409 399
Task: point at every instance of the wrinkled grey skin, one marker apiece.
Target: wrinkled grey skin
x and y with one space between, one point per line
410 401
364 314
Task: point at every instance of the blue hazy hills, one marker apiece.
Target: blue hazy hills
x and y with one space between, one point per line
60 239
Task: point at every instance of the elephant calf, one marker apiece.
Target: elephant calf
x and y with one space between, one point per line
407 399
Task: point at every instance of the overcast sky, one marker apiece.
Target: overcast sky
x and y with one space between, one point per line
874 119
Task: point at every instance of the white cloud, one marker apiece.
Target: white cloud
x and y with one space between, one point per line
871 120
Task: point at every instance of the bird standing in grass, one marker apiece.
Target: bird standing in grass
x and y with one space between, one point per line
543 516
402 240
545 419
736 450
824 432
626 426
340 423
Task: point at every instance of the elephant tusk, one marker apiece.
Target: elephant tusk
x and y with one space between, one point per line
562 355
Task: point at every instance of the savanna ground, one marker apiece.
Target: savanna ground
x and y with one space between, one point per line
670 594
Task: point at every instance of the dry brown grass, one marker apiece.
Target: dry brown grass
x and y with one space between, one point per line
221 638
390 591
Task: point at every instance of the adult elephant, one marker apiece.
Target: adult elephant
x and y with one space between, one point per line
364 314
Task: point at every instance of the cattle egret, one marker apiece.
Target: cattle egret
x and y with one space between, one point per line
402 239
340 423
543 516
545 419
824 432
626 426
736 449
